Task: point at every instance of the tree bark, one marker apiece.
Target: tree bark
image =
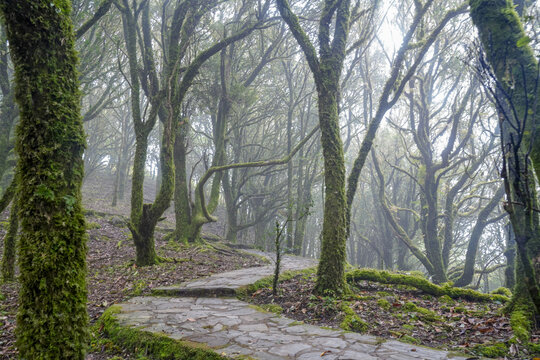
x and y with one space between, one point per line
10 242
50 145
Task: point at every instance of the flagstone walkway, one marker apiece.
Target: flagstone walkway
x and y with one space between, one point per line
203 312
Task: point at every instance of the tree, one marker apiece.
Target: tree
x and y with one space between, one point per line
514 75
326 68
50 143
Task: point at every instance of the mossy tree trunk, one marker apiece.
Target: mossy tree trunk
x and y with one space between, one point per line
50 144
10 241
515 70
514 64
166 100
326 68
142 235
510 255
8 109
182 198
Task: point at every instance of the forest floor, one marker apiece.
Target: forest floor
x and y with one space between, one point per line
461 325
112 275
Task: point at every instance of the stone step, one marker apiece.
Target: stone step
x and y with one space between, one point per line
208 292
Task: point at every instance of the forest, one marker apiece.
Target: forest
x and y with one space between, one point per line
269 179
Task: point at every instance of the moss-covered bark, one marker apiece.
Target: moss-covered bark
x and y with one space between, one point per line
326 68
142 235
510 255
516 72
514 64
52 319
10 241
8 109
182 202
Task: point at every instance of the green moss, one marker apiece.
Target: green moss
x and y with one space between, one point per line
409 339
423 313
407 327
154 345
264 259
386 277
266 283
491 351
534 349
446 300
50 144
460 309
521 325
295 323
351 321
93 226
502 291
384 304
273 308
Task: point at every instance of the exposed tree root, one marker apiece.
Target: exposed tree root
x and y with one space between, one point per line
385 277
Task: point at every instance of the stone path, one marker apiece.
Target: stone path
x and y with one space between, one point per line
226 284
235 329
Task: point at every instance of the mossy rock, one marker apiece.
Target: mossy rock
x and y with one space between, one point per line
266 282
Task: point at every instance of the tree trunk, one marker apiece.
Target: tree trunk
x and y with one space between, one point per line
50 145
515 66
481 222
331 270
10 241
510 254
516 71
182 203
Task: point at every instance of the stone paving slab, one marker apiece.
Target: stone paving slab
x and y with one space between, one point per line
226 284
234 329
